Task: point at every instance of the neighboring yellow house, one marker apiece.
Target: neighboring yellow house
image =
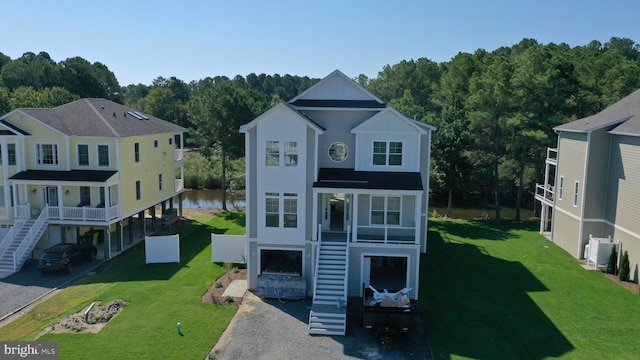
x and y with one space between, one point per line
91 164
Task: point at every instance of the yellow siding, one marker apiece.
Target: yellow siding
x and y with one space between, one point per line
153 161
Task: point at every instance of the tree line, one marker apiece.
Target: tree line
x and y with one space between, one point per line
494 110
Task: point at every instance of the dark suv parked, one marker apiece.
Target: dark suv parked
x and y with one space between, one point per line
65 257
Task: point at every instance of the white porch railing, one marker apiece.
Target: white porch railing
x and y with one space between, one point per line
23 212
178 155
552 155
544 192
386 235
83 213
179 184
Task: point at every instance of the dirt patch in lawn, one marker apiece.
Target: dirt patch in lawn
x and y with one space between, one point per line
631 286
214 295
97 318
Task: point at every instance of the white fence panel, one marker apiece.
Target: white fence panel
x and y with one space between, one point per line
162 249
231 248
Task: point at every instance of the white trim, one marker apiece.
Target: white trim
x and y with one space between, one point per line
336 73
39 154
78 155
259 249
98 155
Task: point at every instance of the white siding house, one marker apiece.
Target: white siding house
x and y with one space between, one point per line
337 185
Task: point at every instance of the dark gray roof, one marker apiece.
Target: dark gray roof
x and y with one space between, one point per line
71 175
618 114
351 179
304 115
359 104
101 118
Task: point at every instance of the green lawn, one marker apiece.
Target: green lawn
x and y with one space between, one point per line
499 290
158 296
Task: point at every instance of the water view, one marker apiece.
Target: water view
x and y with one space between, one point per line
212 199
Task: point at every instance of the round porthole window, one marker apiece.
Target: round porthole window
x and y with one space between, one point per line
338 151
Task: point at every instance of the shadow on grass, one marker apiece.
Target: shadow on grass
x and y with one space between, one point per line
482 229
477 305
131 265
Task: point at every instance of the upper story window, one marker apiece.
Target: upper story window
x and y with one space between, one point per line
136 152
576 191
273 153
160 182
272 209
338 152
103 155
291 153
170 141
561 190
47 154
387 153
155 143
138 190
83 155
290 210
11 154
385 210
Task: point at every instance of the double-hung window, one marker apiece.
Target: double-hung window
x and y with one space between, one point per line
83 155
138 190
385 210
273 153
387 153
272 209
576 191
47 154
290 210
103 155
291 153
11 154
561 190
160 182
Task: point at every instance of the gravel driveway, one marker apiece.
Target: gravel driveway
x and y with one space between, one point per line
29 284
270 329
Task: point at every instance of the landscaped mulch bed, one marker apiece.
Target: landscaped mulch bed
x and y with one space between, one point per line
214 294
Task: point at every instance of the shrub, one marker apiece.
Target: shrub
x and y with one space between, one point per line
218 285
624 267
611 266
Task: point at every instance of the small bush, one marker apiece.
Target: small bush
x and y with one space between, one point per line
218 285
613 257
624 267
228 299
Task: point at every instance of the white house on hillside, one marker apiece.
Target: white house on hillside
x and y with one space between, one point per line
337 198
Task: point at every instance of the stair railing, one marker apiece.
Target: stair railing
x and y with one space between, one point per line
23 215
315 277
346 267
30 238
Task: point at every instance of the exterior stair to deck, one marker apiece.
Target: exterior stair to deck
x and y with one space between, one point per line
17 247
328 315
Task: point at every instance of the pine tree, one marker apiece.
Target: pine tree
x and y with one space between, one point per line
613 257
624 267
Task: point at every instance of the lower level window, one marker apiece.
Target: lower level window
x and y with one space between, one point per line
281 262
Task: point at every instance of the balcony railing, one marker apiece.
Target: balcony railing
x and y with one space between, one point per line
83 213
386 235
552 155
544 193
178 155
179 184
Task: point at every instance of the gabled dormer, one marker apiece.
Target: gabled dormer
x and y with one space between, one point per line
337 91
389 141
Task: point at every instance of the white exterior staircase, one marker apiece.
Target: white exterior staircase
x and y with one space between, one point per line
20 241
328 315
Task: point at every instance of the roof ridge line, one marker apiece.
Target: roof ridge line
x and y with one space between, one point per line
86 100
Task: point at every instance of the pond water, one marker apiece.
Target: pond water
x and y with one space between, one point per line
212 199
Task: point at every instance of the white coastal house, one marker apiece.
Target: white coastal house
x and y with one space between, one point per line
337 198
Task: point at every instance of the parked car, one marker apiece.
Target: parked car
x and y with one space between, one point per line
64 257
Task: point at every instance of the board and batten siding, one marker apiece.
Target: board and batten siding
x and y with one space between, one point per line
282 125
252 195
572 150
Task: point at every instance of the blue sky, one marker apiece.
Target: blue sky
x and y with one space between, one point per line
188 39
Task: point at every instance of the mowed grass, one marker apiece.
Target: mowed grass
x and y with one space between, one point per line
500 290
158 296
